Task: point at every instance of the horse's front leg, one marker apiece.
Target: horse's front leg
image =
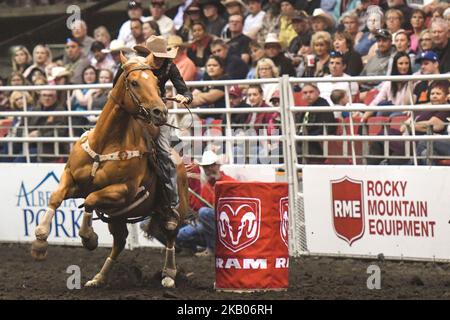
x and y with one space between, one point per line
66 189
169 271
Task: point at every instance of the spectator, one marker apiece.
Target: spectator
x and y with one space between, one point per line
42 56
236 101
150 28
80 98
200 50
271 20
374 23
59 76
74 60
287 32
402 42
178 20
322 122
308 6
233 7
97 97
137 35
437 13
340 98
134 11
235 68
321 46
100 59
79 32
266 69
343 42
417 21
47 126
273 50
379 65
102 34
394 20
114 49
238 44
214 21
423 122
212 96
441 44
21 59
187 68
202 232
362 11
342 7
321 21
17 79
193 14
425 41
254 21
256 54
406 11
304 33
4 99
429 64
337 67
350 22
395 93
435 120
157 10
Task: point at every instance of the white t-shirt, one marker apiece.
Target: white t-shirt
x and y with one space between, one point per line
327 87
165 25
253 23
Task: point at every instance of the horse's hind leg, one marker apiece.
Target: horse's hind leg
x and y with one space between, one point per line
120 232
65 189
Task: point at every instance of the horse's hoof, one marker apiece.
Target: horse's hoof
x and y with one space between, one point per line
97 282
39 249
168 282
90 243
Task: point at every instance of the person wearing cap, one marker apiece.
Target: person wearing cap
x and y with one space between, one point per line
429 64
273 50
441 43
164 69
74 60
187 68
100 60
134 11
79 32
214 23
201 233
178 20
157 10
302 27
236 101
379 65
192 15
254 21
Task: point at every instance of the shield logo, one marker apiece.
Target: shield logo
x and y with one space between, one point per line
238 222
347 209
284 220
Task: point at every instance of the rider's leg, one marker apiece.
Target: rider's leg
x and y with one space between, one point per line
168 175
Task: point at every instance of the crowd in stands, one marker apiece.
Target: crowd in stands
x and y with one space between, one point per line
252 39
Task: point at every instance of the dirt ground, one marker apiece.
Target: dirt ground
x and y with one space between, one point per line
136 276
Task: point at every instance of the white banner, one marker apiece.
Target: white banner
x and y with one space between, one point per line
401 212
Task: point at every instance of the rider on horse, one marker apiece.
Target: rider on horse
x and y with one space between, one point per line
164 69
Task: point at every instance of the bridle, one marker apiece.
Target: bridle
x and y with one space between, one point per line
142 113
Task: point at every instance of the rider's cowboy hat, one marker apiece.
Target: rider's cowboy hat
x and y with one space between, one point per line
208 158
117 45
158 46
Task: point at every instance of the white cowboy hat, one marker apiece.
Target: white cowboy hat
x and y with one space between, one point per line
117 45
58 72
158 46
208 158
272 38
320 13
228 2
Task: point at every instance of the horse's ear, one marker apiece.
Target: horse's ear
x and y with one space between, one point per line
150 60
123 59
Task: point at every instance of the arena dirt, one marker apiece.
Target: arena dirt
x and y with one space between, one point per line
136 276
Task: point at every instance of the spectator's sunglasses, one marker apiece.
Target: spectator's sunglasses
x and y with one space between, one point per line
336 54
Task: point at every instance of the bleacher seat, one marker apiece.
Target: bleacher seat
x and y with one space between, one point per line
377 125
5 124
370 95
397 121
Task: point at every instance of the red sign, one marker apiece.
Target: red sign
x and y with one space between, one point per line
251 236
347 209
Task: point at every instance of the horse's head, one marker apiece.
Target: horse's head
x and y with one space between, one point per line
142 97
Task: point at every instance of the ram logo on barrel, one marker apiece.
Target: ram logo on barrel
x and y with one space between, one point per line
238 221
348 209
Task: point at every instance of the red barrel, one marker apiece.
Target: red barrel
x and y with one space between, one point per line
251 236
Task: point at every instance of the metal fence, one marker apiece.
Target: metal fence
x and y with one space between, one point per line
227 139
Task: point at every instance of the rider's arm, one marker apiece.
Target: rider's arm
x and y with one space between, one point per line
178 82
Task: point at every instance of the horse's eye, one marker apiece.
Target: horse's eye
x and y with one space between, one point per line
134 83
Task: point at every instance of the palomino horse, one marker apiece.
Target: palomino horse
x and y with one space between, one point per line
134 106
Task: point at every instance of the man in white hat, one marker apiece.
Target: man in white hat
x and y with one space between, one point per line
273 50
164 69
202 232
